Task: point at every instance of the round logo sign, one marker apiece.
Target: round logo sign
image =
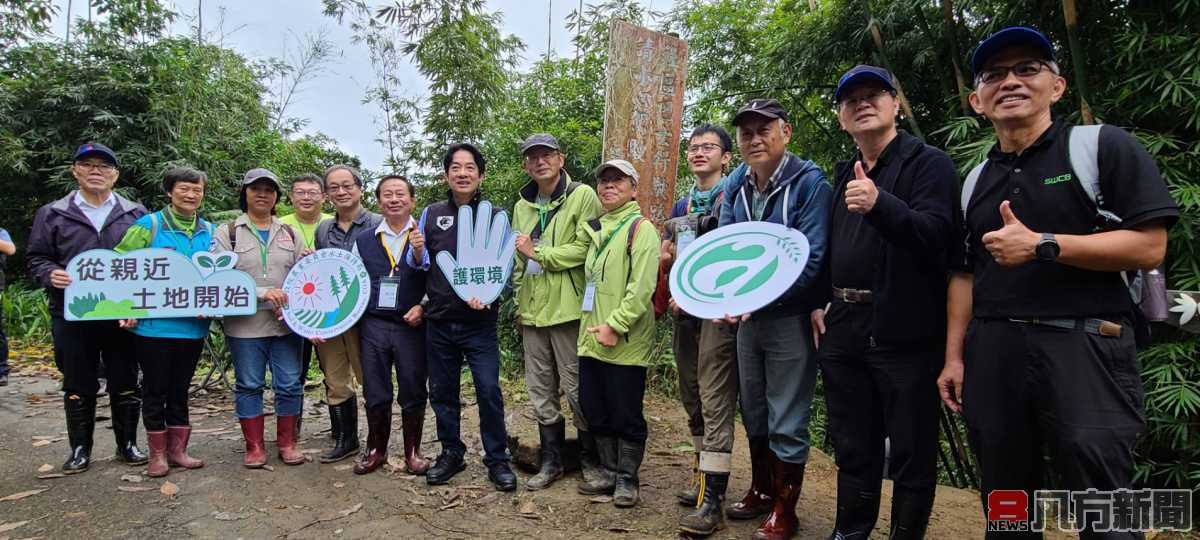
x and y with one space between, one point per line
327 293
737 269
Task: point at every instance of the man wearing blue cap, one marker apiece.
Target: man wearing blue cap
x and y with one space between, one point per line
91 217
1040 350
880 338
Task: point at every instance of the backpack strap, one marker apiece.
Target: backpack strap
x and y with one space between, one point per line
153 226
1083 150
232 236
633 228
571 187
969 185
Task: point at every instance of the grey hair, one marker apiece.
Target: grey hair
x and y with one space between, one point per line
358 177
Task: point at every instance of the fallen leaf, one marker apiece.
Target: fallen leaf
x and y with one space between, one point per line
134 478
73 515
40 443
342 467
45 468
489 497
22 495
134 489
527 507
449 506
601 499
268 468
169 489
339 485
42 437
5 527
226 516
51 475
350 510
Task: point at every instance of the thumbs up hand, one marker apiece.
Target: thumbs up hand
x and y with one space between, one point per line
1013 244
861 192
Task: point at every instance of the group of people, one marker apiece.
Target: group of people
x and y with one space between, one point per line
1006 295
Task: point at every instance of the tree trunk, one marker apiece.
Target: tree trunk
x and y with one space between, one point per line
878 38
955 56
1078 61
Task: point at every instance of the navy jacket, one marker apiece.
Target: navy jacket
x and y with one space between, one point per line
799 200
61 231
916 215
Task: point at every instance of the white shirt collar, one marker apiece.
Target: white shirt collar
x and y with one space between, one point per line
81 202
385 230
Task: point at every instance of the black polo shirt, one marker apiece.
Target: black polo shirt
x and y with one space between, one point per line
854 244
1046 196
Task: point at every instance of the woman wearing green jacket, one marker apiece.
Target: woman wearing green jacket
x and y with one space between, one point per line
617 330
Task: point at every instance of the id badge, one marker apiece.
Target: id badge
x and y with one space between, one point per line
685 238
589 297
685 232
532 268
389 288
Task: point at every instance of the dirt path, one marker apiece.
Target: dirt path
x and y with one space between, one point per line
224 500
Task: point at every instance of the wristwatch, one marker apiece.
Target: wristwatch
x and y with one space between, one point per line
1047 249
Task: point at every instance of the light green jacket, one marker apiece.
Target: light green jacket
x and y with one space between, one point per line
554 296
625 278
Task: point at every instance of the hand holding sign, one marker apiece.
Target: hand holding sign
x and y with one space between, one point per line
484 260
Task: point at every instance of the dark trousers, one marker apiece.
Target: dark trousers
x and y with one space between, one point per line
167 368
390 345
873 393
3 343
611 397
1030 388
78 350
449 344
306 354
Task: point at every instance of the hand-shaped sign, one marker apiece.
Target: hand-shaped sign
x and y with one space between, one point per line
484 260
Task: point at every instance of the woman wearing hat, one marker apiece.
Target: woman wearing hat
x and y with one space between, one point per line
617 330
267 250
167 350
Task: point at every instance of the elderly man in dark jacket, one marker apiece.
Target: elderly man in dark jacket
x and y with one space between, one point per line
92 217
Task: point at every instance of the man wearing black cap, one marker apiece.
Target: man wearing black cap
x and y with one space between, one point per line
775 365
91 217
549 297
1040 348
458 331
880 340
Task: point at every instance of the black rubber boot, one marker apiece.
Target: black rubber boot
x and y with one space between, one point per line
343 418
552 468
709 516
589 458
629 462
81 421
126 411
910 512
606 451
857 510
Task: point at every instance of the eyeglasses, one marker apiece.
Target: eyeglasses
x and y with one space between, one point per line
306 193
1024 70
866 97
704 147
341 187
92 166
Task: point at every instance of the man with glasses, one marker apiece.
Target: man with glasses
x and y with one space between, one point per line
339 356
880 339
307 196
1040 347
704 350
776 370
91 217
549 299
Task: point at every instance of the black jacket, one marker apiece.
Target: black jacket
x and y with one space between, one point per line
439 225
916 215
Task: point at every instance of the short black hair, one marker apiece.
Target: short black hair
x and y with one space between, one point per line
188 175
448 157
244 205
726 140
386 177
358 177
308 177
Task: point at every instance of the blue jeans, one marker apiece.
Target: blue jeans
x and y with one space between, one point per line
251 356
777 372
448 344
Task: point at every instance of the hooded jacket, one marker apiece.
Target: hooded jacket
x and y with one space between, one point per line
553 296
61 231
800 199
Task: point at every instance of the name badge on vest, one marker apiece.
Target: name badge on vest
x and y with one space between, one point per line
389 289
589 297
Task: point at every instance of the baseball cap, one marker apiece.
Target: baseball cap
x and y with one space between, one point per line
95 149
539 139
625 167
769 108
860 74
254 175
1012 36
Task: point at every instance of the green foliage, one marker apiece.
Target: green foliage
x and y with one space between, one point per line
26 313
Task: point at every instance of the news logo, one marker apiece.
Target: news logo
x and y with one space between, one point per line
1122 510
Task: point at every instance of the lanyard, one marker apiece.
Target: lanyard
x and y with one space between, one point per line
304 233
543 211
392 258
604 244
262 248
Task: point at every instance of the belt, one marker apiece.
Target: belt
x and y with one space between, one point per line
1099 327
852 296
